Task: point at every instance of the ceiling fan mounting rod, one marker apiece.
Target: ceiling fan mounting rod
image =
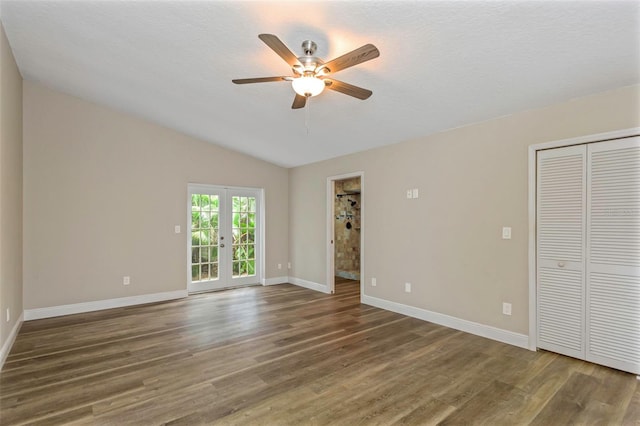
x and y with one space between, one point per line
309 47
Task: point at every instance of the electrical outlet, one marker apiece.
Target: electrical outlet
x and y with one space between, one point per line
407 287
373 282
506 308
126 280
279 265
8 315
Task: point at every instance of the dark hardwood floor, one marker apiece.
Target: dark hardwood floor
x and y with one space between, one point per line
284 355
345 285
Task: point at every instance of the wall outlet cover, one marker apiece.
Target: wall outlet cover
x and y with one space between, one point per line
407 287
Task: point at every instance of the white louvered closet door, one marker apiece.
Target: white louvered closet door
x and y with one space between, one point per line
613 254
561 204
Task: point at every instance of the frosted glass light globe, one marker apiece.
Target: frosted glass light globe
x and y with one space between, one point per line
308 86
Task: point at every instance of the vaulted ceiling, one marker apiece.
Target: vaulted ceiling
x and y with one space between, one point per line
442 64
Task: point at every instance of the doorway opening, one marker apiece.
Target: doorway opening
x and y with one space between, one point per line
345 232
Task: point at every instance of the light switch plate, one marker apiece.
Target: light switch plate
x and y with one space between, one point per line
407 287
506 308
415 192
409 193
506 233
176 229
373 282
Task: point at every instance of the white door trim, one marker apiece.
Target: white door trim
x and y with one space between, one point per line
194 188
599 137
331 284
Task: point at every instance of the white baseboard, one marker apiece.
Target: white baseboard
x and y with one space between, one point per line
275 280
98 305
504 336
6 347
309 284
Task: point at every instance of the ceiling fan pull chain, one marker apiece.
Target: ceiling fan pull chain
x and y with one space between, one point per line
306 117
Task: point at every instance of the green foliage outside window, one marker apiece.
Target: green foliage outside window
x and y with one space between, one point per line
204 236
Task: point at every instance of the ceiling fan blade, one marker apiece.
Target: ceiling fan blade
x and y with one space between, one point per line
280 48
347 89
299 102
355 57
258 80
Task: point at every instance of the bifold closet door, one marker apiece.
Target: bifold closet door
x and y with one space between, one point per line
613 254
588 252
561 205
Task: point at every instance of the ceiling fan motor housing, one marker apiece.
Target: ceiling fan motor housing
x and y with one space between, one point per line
311 64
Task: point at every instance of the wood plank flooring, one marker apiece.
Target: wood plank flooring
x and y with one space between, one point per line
284 355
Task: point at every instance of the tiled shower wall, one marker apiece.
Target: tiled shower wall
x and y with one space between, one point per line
347 240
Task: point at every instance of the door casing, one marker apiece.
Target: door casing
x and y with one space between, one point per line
331 195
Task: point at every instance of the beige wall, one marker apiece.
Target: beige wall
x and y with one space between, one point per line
10 189
447 243
103 191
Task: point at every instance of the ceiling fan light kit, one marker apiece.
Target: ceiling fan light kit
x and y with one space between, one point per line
308 85
311 74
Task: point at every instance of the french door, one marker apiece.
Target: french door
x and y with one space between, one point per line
224 237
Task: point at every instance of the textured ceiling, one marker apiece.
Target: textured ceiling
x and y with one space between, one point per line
441 65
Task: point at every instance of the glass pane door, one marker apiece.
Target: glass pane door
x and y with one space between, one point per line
244 230
244 236
224 240
205 212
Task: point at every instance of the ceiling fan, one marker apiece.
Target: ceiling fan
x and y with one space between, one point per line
311 74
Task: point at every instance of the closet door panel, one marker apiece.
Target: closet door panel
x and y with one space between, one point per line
560 311
561 191
613 257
